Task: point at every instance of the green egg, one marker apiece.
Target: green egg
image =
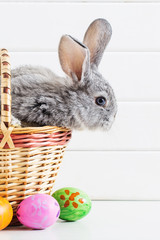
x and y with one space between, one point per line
73 202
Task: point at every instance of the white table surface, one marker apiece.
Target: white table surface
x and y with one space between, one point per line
108 220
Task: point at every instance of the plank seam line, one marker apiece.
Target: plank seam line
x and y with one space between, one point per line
123 150
125 200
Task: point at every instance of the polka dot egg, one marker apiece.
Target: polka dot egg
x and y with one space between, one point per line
74 203
38 211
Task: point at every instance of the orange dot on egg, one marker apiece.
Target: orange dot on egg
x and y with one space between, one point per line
67 192
75 205
66 203
81 200
62 197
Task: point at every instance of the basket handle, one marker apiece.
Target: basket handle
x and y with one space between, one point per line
5 71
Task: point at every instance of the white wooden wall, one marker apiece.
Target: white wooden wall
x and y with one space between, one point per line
125 162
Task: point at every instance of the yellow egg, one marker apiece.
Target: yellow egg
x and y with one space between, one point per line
6 213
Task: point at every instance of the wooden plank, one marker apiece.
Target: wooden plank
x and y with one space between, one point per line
39 26
133 76
112 175
136 128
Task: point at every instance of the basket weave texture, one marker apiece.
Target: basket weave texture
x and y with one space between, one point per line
30 157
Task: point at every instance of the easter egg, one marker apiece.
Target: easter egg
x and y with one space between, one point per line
74 203
6 213
38 211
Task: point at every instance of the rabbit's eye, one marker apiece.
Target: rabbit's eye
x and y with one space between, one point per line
101 101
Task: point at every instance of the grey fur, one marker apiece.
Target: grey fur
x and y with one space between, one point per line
40 98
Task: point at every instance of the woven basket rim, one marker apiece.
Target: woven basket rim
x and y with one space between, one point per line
43 129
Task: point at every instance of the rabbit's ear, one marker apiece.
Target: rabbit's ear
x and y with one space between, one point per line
96 39
74 57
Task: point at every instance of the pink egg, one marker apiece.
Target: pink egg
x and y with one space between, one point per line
38 211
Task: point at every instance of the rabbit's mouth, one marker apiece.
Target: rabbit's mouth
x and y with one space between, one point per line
108 122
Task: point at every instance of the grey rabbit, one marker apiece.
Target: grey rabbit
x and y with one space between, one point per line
84 99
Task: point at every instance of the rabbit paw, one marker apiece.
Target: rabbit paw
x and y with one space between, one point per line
15 122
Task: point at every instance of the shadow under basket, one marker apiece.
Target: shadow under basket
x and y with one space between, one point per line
30 157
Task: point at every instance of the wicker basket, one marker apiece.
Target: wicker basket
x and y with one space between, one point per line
29 157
